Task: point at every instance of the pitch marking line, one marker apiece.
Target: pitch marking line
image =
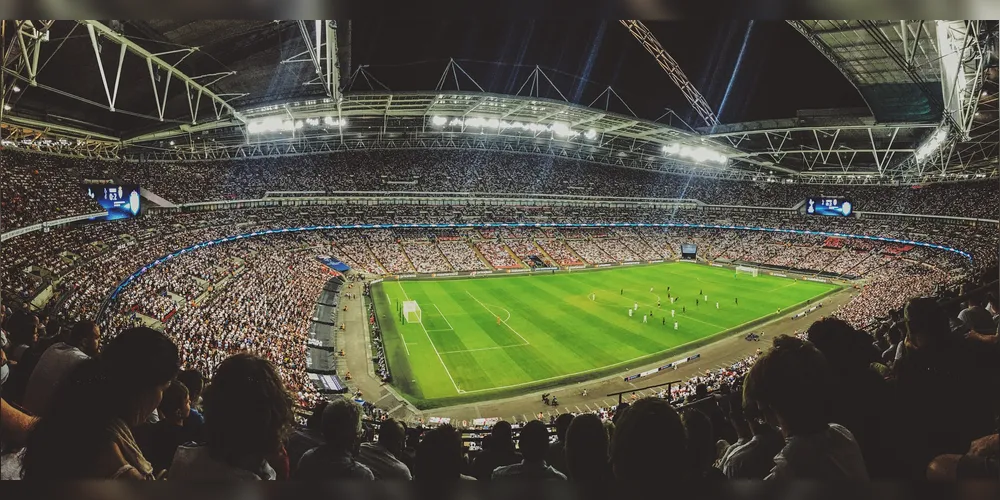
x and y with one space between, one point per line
483 348
433 346
444 318
502 320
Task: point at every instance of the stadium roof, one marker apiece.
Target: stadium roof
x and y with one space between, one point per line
192 82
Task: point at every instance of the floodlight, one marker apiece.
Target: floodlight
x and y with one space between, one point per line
6 107
15 88
591 134
439 121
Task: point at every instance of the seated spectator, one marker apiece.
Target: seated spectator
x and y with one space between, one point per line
247 415
752 456
87 433
649 442
701 444
937 362
195 383
587 449
59 360
791 386
382 457
499 453
440 457
159 441
978 322
22 356
556 456
334 459
534 444
862 400
304 439
23 329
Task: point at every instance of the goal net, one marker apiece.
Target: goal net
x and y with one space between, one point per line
752 271
411 311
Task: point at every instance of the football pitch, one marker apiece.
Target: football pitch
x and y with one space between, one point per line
482 338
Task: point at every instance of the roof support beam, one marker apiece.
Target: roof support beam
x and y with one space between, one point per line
171 70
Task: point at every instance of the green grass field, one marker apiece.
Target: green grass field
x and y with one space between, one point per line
551 332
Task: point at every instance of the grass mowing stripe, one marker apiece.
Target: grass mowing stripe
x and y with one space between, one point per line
569 334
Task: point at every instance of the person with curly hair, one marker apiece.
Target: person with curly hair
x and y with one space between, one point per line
248 413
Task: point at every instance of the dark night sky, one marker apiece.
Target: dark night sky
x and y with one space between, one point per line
779 73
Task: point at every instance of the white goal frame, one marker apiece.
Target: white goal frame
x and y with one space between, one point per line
411 312
752 271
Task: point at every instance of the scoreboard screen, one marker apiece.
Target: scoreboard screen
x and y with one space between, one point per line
689 248
841 207
122 201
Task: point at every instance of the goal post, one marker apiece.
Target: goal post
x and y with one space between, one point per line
411 311
752 271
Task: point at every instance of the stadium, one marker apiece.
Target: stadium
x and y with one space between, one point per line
457 237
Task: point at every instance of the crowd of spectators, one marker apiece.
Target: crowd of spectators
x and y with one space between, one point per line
497 255
461 256
37 188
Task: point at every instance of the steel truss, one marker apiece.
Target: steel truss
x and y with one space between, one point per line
40 137
313 145
950 53
871 149
194 89
673 70
321 49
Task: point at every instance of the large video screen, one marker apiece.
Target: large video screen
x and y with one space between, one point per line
841 207
690 248
120 200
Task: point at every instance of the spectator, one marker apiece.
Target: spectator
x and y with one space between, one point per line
978 322
247 415
57 361
587 449
195 383
937 362
649 442
87 433
791 385
752 456
534 444
439 456
382 457
302 440
701 444
334 459
862 401
500 452
159 441
556 456
23 328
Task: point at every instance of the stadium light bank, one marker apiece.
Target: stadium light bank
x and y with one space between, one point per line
278 124
558 129
696 153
